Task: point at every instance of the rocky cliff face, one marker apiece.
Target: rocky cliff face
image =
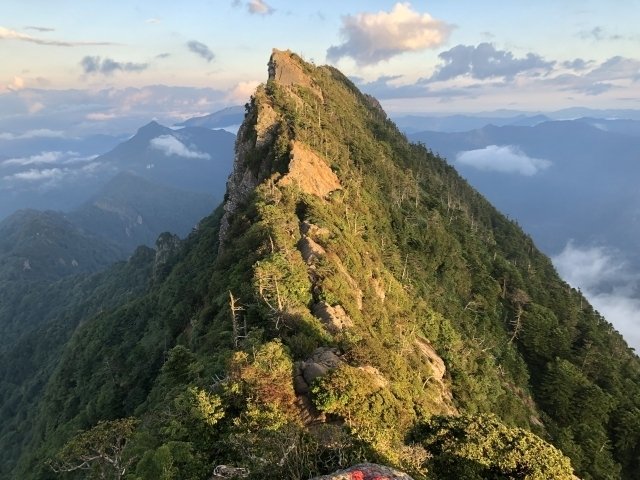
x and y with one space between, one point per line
255 138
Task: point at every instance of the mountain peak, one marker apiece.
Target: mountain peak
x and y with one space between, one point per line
152 129
288 69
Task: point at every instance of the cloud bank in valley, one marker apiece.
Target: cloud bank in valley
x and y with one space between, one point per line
608 282
504 159
171 146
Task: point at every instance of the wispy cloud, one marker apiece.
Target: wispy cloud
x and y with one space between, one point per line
255 7
107 66
392 87
201 50
39 29
153 21
505 159
599 34
606 279
259 7
485 61
171 146
38 133
613 73
109 111
370 38
8 34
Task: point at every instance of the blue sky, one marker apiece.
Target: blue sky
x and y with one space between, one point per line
421 56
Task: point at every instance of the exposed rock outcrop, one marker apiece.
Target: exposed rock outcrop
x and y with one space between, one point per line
435 361
244 179
314 231
334 318
286 70
309 172
378 288
310 250
167 245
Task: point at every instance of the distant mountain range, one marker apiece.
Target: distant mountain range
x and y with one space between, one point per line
461 123
627 122
95 210
561 180
228 118
192 158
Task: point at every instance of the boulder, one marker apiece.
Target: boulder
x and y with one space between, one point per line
318 364
366 471
334 318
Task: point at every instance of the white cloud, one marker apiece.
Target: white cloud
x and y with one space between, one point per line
607 281
43 157
589 267
50 177
502 158
16 84
242 92
171 146
373 37
100 116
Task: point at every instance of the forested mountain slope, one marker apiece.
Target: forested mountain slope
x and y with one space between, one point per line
130 211
45 320
357 300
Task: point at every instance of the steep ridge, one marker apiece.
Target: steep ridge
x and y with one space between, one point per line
355 300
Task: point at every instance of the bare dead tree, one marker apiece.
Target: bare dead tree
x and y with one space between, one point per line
235 313
520 298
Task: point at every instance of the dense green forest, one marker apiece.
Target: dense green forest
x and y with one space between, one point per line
354 300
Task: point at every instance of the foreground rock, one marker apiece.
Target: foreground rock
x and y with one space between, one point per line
366 471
